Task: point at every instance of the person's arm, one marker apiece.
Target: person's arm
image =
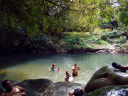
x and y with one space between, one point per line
50 69
66 79
78 68
73 68
23 90
55 68
70 93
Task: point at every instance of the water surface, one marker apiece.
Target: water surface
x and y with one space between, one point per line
34 66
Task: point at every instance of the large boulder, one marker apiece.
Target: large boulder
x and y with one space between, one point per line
62 89
45 87
106 76
36 87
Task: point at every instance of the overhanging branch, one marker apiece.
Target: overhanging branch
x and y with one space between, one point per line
67 8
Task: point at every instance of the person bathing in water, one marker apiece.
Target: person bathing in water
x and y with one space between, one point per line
121 67
52 68
69 78
12 90
59 69
75 69
76 92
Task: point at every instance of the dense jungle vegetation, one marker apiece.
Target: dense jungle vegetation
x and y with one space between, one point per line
61 25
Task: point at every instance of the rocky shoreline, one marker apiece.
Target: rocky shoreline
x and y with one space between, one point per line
99 49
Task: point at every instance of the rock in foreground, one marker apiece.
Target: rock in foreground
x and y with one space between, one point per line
106 76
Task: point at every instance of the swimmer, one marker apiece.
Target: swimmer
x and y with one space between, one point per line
75 69
52 68
76 92
59 69
12 90
69 78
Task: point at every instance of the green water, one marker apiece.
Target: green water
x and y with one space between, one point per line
35 66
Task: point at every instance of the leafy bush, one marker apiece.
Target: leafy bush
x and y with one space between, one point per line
124 45
101 42
83 45
106 25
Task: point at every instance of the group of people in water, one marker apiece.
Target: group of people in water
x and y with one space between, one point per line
69 78
53 68
11 90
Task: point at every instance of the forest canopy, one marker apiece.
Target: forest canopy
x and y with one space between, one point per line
23 22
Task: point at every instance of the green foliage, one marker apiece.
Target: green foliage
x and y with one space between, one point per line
101 42
24 23
40 43
78 41
73 39
124 45
106 25
83 45
122 18
95 40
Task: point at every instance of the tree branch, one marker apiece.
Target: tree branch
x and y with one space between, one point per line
67 8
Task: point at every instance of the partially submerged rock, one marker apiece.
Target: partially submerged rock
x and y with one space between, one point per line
36 87
110 91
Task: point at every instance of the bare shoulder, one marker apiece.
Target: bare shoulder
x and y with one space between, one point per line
19 87
16 86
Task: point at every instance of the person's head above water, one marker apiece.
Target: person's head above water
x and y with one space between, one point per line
75 65
7 85
58 68
67 73
53 65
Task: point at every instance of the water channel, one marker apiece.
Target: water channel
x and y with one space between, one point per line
34 66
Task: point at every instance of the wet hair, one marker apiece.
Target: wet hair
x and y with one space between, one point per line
53 64
4 83
78 92
66 71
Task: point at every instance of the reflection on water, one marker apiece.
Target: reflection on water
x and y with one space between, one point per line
35 66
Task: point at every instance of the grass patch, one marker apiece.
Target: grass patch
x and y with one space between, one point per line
78 41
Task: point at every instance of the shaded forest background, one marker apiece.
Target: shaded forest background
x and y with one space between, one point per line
57 25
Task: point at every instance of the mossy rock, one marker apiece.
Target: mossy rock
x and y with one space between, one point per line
110 91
